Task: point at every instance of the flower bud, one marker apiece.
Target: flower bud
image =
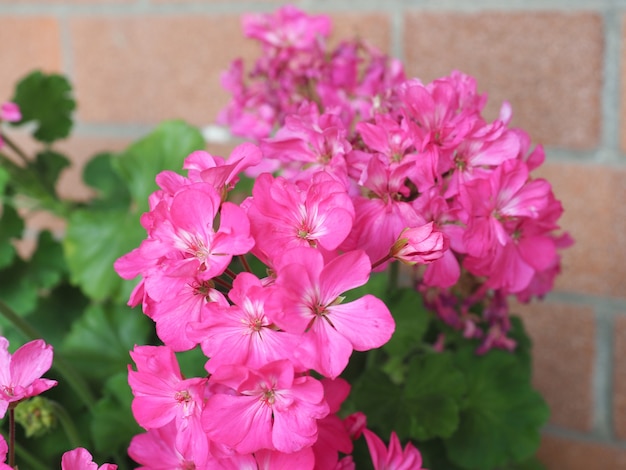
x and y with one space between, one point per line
421 245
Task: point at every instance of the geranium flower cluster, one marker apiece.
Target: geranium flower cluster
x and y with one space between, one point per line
415 158
275 344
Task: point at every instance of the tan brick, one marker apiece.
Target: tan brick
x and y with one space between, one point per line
27 44
623 87
558 453
548 65
151 68
563 356
619 378
595 216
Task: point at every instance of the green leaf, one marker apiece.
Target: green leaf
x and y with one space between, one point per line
47 265
17 289
46 100
376 285
411 322
5 177
432 393
111 188
382 402
48 165
103 336
502 414
113 425
163 149
11 226
94 240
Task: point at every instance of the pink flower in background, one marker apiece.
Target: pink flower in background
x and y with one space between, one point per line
10 112
20 373
393 458
81 459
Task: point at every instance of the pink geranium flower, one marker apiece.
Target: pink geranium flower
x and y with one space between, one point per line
308 298
270 408
393 458
20 373
81 459
4 449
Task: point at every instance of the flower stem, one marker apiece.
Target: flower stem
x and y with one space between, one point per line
15 148
65 369
12 435
244 262
381 261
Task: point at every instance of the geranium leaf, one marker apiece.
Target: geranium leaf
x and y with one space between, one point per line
48 165
94 240
382 402
113 425
104 335
11 227
163 149
502 414
111 188
411 322
47 100
432 393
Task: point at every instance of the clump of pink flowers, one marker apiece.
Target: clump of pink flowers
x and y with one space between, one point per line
419 162
369 168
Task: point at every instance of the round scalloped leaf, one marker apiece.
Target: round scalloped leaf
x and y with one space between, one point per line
47 100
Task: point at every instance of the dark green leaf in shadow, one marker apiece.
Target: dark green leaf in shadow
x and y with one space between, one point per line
11 227
113 425
111 188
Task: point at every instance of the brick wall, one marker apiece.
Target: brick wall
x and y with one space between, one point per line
561 63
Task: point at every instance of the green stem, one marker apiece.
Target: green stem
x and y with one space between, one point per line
15 148
245 263
68 425
64 368
12 435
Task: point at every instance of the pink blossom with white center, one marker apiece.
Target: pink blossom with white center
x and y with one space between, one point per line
81 459
162 396
284 215
185 240
242 333
20 372
270 408
394 457
308 299
158 450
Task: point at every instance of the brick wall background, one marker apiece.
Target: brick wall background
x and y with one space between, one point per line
561 63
